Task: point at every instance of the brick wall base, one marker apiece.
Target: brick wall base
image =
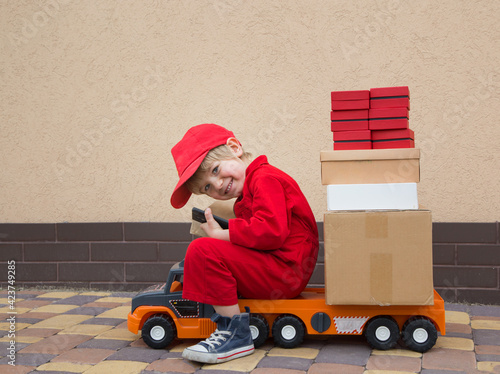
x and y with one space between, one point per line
131 256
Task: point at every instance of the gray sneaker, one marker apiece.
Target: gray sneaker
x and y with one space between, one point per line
231 339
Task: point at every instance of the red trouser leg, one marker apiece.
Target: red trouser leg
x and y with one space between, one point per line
216 271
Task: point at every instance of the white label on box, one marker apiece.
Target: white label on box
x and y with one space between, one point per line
349 325
380 196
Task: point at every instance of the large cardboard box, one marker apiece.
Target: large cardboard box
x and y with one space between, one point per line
378 257
370 166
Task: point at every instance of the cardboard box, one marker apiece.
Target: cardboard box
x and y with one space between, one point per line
378 258
370 166
379 196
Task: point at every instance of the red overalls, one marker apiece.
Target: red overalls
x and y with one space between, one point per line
273 244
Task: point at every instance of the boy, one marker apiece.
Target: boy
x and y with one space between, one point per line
269 250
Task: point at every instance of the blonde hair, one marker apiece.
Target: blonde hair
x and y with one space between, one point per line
222 152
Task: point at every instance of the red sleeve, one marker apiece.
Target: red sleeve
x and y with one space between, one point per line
268 227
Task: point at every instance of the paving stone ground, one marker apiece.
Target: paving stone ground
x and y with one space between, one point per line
86 332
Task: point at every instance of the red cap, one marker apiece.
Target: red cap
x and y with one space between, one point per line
190 152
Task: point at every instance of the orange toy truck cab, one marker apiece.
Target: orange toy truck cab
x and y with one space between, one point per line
162 315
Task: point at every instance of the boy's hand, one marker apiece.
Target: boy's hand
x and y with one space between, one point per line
212 228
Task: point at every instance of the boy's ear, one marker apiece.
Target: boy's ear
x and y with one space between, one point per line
235 146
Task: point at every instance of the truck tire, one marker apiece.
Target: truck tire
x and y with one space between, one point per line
158 331
288 331
259 329
419 334
382 332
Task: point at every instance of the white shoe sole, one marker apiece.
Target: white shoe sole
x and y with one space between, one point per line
217 358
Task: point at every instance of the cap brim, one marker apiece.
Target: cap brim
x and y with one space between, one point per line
181 193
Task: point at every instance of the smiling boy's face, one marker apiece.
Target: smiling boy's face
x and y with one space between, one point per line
224 180
221 175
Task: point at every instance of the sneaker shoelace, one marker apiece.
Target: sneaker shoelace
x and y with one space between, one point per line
217 338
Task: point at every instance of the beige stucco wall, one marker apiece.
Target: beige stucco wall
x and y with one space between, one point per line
95 93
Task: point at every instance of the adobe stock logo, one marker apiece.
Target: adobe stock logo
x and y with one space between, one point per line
226 7
381 19
31 26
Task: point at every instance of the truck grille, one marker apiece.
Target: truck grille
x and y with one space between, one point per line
186 308
207 327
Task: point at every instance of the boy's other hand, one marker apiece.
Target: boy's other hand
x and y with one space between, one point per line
212 228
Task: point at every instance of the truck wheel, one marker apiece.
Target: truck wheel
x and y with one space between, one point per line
288 331
382 333
419 334
158 331
259 329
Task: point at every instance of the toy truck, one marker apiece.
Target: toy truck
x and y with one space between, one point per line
161 314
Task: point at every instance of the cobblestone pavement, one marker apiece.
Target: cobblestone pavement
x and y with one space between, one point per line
86 332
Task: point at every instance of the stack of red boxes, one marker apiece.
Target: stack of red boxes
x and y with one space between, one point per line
350 120
388 118
375 118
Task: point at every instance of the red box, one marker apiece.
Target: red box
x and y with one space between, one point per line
350 104
347 120
388 118
350 95
342 115
386 124
351 135
395 143
393 102
350 145
390 97
392 134
390 91
352 125
388 113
